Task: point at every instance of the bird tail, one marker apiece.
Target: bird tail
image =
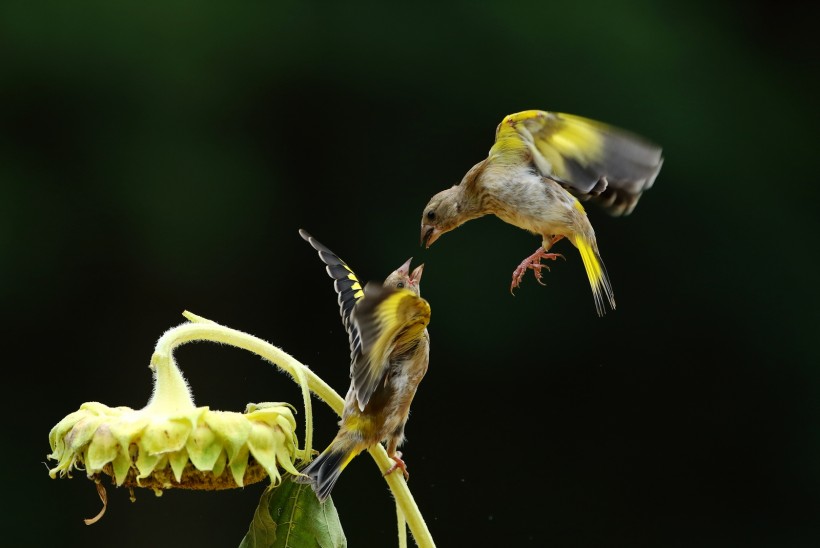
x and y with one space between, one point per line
596 272
325 469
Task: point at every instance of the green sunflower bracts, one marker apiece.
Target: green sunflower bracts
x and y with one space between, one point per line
172 443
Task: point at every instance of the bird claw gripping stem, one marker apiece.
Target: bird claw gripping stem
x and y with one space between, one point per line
399 463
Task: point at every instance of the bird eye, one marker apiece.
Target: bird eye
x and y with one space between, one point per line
431 214
400 285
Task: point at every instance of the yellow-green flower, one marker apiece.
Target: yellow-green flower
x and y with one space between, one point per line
171 443
195 448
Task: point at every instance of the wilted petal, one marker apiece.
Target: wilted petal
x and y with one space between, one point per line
128 429
56 438
102 450
121 465
165 435
239 463
262 446
178 461
219 465
232 429
203 447
146 462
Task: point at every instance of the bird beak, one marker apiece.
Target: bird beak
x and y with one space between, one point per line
415 277
429 234
405 268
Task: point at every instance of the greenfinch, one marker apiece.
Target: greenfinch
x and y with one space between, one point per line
389 350
537 171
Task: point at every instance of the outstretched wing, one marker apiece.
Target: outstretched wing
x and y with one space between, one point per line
390 321
347 286
589 158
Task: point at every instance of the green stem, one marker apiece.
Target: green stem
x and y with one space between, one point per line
404 499
203 329
401 522
171 393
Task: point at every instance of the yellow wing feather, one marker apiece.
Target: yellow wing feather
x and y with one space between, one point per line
587 156
389 321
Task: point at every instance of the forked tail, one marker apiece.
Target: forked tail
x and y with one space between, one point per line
325 469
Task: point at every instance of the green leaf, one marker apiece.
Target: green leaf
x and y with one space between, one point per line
290 516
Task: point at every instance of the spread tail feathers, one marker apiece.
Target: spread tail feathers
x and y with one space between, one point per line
325 469
596 272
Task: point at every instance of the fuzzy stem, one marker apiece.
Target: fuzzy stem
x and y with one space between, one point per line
404 499
402 525
203 329
171 393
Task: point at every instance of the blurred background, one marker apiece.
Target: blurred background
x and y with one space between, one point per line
161 157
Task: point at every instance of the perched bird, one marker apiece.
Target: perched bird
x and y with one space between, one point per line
541 165
389 352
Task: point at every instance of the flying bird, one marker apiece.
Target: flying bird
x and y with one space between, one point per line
540 168
389 350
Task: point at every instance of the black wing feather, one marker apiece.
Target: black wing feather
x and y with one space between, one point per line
347 286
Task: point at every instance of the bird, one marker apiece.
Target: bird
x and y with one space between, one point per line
540 168
389 352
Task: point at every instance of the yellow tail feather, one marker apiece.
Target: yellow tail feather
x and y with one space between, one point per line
596 272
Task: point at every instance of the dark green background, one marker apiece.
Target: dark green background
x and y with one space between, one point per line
161 157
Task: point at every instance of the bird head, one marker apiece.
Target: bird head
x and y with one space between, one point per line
403 278
442 214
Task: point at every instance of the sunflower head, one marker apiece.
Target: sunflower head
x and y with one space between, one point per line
194 448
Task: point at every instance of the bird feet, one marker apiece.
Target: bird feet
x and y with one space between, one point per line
398 464
532 262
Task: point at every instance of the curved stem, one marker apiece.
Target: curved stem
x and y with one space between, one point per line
203 329
171 392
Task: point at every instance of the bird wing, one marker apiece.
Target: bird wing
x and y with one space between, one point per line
591 159
390 320
347 286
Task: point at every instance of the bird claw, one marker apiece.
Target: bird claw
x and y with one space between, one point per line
398 464
533 262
